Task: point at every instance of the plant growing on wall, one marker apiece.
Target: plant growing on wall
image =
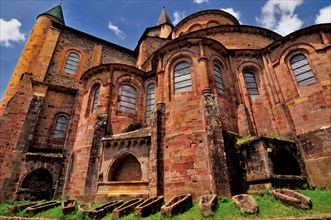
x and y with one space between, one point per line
246 140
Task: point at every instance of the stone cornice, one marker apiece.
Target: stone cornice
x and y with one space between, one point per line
110 67
206 12
234 28
186 41
299 33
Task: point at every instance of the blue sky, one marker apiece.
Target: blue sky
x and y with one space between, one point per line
123 21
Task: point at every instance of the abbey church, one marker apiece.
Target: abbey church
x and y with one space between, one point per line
206 106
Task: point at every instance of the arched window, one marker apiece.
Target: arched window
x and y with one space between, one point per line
182 78
302 70
218 80
71 63
95 99
251 85
128 99
60 127
150 100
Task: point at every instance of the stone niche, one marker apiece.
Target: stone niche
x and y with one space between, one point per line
273 162
125 166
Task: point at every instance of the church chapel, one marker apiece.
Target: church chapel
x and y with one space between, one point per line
205 106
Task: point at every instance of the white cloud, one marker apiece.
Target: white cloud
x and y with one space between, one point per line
200 1
10 31
233 12
124 21
116 30
324 15
178 16
278 15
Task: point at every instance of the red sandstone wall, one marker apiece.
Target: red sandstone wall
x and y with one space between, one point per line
309 105
186 163
202 20
92 53
36 56
11 128
55 103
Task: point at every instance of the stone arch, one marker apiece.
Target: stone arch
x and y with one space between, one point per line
54 125
125 167
93 83
256 69
194 27
216 60
136 84
212 23
303 49
96 84
65 55
37 185
176 58
295 48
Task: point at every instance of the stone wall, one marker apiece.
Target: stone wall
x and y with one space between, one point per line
317 154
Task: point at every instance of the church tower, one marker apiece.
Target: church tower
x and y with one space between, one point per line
166 23
22 102
37 53
153 38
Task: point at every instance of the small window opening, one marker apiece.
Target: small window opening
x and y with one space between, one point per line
182 78
72 63
218 80
60 126
128 99
302 70
150 100
251 85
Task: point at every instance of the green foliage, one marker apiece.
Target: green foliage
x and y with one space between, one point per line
277 136
246 140
269 207
135 125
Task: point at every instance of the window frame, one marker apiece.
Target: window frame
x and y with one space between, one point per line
255 86
148 116
74 69
56 123
306 64
220 91
95 100
121 100
178 90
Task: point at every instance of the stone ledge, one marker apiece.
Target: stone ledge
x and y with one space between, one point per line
140 133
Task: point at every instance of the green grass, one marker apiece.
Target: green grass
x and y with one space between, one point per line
268 208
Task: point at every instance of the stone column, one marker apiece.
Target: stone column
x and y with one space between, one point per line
215 140
203 71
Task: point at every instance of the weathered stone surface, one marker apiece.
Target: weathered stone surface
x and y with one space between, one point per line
177 205
208 205
184 147
84 208
126 208
42 207
246 203
68 206
292 198
149 206
18 208
102 210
